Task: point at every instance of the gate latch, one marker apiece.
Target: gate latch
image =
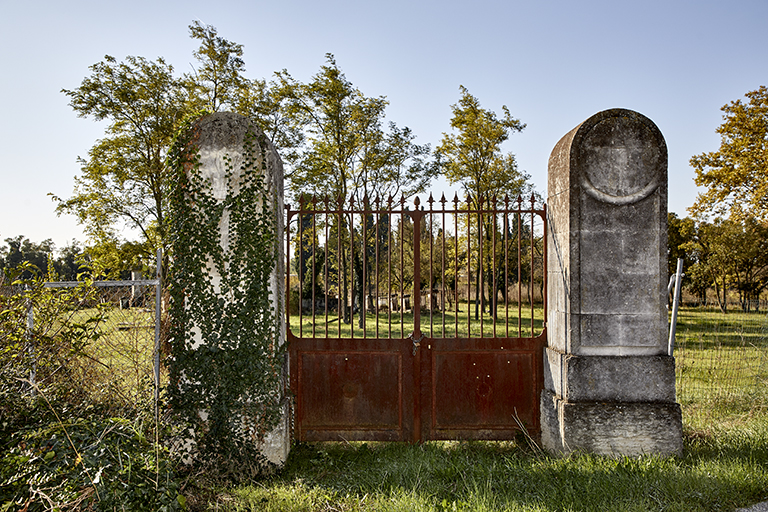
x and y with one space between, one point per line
416 342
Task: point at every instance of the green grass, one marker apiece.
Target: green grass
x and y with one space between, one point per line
435 324
721 384
724 465
721 362
120 361
723 472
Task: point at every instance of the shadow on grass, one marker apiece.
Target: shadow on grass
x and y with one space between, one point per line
719 471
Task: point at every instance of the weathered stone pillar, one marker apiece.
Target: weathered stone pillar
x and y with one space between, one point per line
220 141
609 383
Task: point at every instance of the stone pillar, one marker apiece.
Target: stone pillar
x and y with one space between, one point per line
609 383
220 139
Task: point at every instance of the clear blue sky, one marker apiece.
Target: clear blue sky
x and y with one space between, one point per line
553 63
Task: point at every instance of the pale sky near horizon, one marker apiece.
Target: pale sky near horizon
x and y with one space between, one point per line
553 63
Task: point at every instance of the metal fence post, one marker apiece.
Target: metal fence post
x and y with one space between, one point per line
675 306
31 346
158 311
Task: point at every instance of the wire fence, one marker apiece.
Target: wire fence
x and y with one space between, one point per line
125 318
87 345
722 358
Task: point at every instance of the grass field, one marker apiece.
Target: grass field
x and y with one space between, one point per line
723 472
722 374
722 364
721 383
120 361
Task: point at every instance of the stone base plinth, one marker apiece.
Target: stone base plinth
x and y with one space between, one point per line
610 428
277 444
610 378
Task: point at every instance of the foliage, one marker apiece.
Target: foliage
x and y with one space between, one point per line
218 82
115 259
41 352
473 157
124 180
323 129
734 175
90 459
267 106
346 149
40 255
679 232
730 254
226 387
86 464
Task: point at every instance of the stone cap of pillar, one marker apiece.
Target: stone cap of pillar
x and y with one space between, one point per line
617 156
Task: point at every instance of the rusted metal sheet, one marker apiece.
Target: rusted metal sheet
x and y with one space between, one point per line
483 388
411 323
353 390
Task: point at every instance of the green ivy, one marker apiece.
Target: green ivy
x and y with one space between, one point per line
228 389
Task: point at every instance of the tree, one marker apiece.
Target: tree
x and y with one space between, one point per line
38 258
345 153
711 258
124 184
681 237
748 241
731 255
473 158
267 105
123 181
21 250
218 82
680 234
735 175
345 149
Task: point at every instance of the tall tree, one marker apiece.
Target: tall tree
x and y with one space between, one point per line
344 153
679 232
711 256
473 158
123 181
20 250
731 255
218 82
267 105
735 175
345 148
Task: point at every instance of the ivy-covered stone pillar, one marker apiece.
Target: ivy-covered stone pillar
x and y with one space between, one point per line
609 383
227 364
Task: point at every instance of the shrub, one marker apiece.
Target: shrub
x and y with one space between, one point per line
66 443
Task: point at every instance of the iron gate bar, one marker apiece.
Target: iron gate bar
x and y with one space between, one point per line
486 207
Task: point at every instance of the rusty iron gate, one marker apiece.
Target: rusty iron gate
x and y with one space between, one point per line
411 322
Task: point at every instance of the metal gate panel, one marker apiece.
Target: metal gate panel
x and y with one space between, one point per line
366 273
484 388
345 389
